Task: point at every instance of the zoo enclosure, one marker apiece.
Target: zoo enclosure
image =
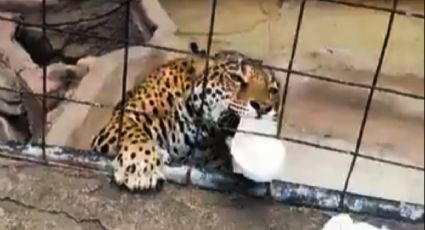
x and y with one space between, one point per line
355 153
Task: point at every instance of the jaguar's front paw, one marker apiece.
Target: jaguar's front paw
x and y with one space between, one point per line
137 175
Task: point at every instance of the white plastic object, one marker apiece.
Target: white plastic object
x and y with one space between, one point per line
258 158
344 222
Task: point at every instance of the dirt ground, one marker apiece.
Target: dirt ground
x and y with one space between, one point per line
38 197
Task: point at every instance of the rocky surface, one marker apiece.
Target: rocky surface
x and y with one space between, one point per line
23 50
75 21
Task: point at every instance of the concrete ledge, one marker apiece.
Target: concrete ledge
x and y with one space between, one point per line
288 193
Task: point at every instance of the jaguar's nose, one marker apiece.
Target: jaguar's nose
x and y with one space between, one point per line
268 108
255 105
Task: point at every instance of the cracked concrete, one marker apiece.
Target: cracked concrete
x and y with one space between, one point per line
17 208
39 197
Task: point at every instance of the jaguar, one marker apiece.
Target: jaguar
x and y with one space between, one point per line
174 111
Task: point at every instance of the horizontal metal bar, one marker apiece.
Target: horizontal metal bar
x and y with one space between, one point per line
289 139
377 8
179 51
328 199
346 83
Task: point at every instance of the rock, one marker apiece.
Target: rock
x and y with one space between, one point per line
59 50
24 5
94 17
22 113
12 55
10 102
13 116
60 79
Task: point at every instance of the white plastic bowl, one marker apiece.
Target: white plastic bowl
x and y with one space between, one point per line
258 158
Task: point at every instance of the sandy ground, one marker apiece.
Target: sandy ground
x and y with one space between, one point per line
38 197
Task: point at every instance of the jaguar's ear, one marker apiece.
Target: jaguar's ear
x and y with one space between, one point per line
272 74
194 48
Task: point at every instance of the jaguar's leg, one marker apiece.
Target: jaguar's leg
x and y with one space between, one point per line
139 164
106 140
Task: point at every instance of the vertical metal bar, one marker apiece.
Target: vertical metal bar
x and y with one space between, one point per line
44 102
125 67
290 64
208 52
204 80
368 103
209 44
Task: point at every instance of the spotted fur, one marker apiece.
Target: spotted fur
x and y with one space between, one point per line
162 115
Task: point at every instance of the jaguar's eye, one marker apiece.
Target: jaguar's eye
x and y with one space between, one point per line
273 91
238 78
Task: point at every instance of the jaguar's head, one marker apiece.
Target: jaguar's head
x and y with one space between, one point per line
235 82
260 97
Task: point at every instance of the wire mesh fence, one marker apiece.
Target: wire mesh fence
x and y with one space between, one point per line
289 70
